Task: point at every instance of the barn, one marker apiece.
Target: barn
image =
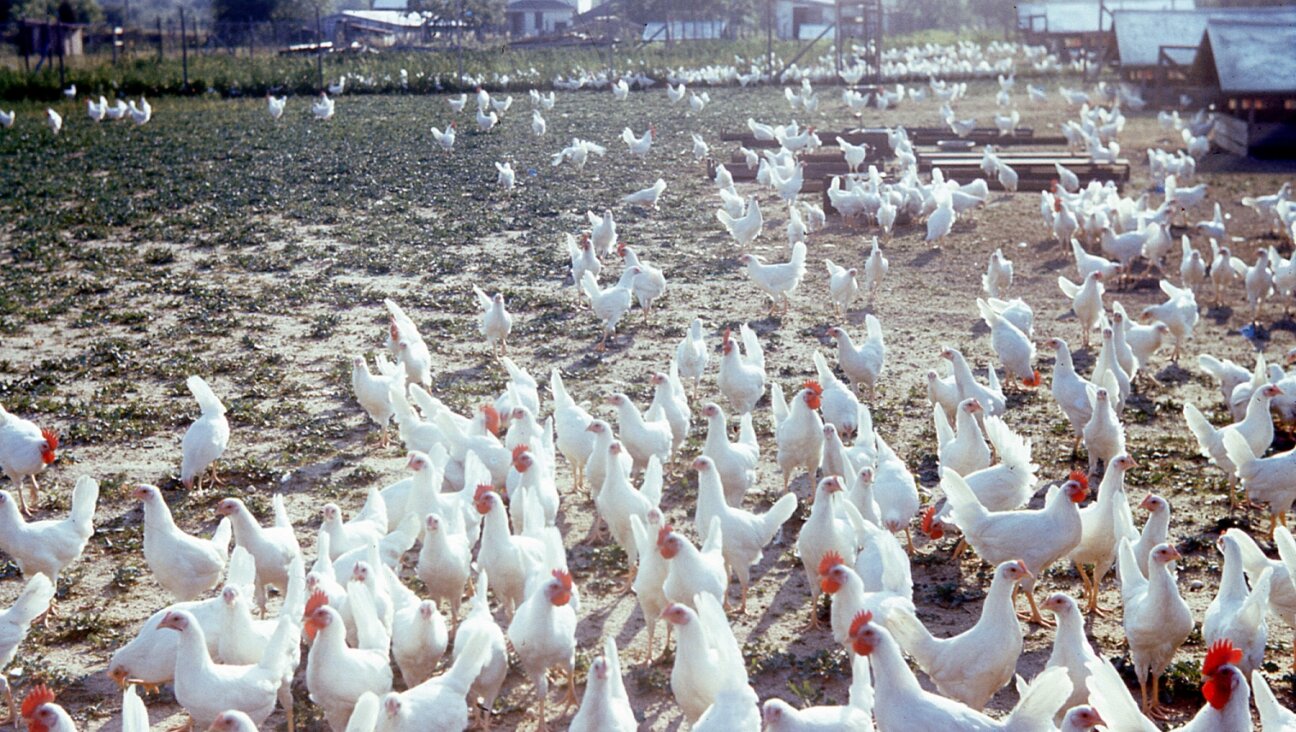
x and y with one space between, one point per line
1251 68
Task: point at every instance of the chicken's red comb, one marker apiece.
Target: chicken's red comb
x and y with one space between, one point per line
813 386
317 600
39 694
51 438
492 418
828 561
1080 477
519 451
564 578
1221 652
664 532
864 617
621 247
727 333
482 490
928 516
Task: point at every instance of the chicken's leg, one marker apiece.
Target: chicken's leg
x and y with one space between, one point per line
1034 616
909 542
13 708
215 479
1156 710
571 688
652 628
22 502
35 493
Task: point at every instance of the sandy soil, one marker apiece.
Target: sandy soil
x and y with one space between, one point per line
116 385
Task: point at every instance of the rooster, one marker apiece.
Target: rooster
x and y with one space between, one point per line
25 450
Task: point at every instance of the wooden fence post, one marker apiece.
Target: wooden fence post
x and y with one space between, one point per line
184 49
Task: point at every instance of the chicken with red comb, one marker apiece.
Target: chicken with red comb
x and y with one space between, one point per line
543 632
41 713
25 451
798 430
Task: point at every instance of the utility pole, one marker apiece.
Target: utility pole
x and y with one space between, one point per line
184 49
319 48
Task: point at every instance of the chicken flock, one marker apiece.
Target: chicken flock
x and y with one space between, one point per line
478 520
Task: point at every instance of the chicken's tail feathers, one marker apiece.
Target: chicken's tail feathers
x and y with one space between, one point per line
84 498
1200 427
776 516
364 716
483 300
988 313
134 713
964 505
725 219
207 399
1068 287
467 665
822 370
559 390
752 346
912 635
778 405
944 431
1131 577
589 285
1257 603
221 538
1041 700
714 539
278 657
241 570
799 254
34 600
281 519
1271 712
861 688
747 430
295 598
1110 697
1013 449
653 481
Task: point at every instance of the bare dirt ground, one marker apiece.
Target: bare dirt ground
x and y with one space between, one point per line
213 242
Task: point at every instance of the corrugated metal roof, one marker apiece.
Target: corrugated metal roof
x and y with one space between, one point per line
1141 33
1253 57
1082 17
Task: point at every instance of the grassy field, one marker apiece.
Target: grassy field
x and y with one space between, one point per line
215 241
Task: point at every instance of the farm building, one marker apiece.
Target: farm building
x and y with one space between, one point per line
1161 45
375 27
1251 67
803 19
538 17
1075 25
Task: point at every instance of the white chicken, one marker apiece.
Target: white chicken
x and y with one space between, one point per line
25 451
741 378
273 548
15 621
777 280
543 633
971 666
798 430
745 534
496 322
863 363
47 547
185 566
207 438
611 304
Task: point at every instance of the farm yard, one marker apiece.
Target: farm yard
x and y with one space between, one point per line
258 253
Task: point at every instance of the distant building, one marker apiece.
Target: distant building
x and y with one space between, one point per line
541 17
1160 46
376 27
1251 67
1075 25
803 19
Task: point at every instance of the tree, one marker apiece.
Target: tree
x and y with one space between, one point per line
66 11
